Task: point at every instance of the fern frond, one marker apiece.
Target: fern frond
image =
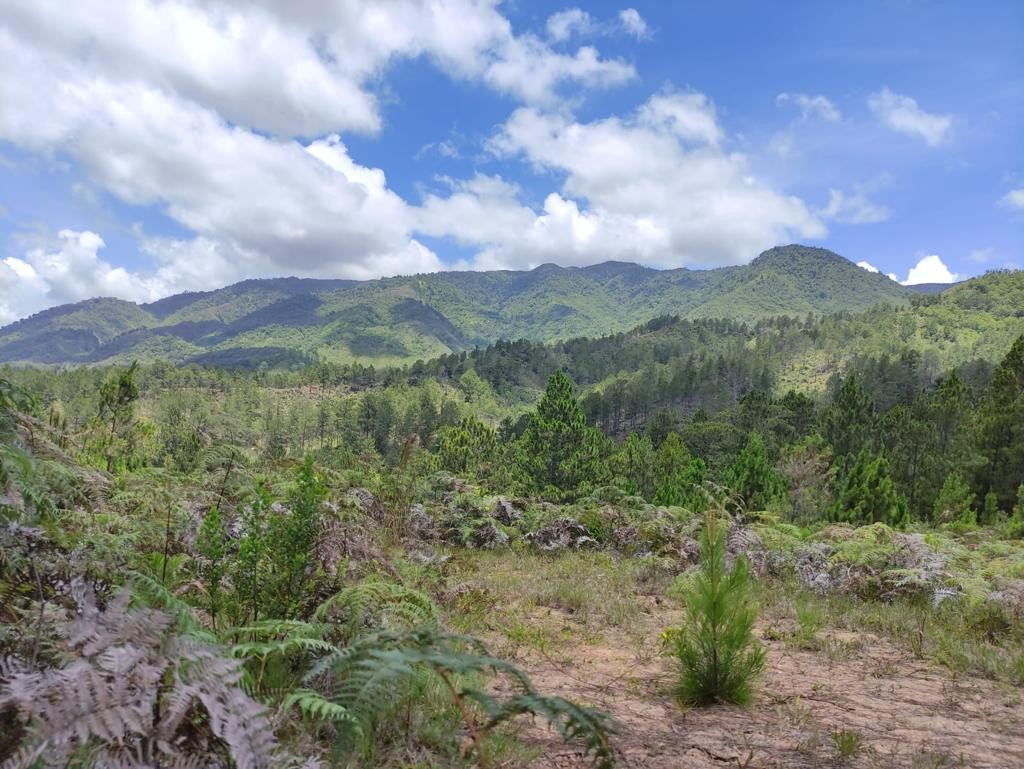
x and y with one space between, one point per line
155 594
264 649
366 674
317 707
378 605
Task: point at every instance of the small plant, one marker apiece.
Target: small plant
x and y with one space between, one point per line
848 743
716 649
809 623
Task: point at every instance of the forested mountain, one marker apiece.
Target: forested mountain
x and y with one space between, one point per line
403 319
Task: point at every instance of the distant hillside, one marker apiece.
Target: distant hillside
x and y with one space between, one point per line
402 319
973 325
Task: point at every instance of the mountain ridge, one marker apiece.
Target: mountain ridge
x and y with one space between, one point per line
404 318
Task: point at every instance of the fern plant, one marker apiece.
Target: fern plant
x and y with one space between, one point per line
134 693
374 642
364 677
718 655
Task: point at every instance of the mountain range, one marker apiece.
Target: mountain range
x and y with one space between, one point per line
401 319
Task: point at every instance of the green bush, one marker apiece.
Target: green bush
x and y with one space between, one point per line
718 656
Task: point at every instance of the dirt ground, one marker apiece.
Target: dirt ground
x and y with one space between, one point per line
897 711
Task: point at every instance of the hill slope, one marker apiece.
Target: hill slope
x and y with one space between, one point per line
407 318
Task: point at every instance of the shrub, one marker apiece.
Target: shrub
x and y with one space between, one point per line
718 655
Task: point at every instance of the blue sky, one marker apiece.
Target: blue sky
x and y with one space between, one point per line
172 146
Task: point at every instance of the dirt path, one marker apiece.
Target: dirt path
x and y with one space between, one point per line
907 713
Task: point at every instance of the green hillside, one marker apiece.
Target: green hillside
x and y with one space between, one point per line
403 319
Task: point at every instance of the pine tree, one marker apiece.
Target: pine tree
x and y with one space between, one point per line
292 534
468 448
752 477
848 424
685 489
869 494
211 543
955 502
990 509
661 424
557 450
671 459
1002 428
117 432
718 655
637 465
252 552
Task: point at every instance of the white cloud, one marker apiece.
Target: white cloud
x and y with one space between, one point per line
929 269
564 24
981 255
65 269
853 208
174 111
634 23
238 142
529 70
902 114
300 69
690 116
275 204
810 106
653 187
867 266
1013 199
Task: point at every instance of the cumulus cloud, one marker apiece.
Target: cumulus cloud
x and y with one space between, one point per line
810 106
239 142
929 269
902 114
564 24
214 138
301 69
1014 199
656 184
867 266
634 23
64 269
853 208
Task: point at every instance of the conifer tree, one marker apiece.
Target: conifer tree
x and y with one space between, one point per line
467 448
989 509
718 654
661 424
292 534
1002 428
253 546
637 460
211 542
557 449
848 423
869 494
117 431
685 489
671 459
955 502
753 478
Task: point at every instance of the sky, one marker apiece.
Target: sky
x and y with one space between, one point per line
149 147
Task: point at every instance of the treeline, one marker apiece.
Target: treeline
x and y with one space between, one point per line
889 442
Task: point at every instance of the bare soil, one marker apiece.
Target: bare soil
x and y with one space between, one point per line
907 712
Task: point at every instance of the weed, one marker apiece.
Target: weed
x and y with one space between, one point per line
847 742
796 712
